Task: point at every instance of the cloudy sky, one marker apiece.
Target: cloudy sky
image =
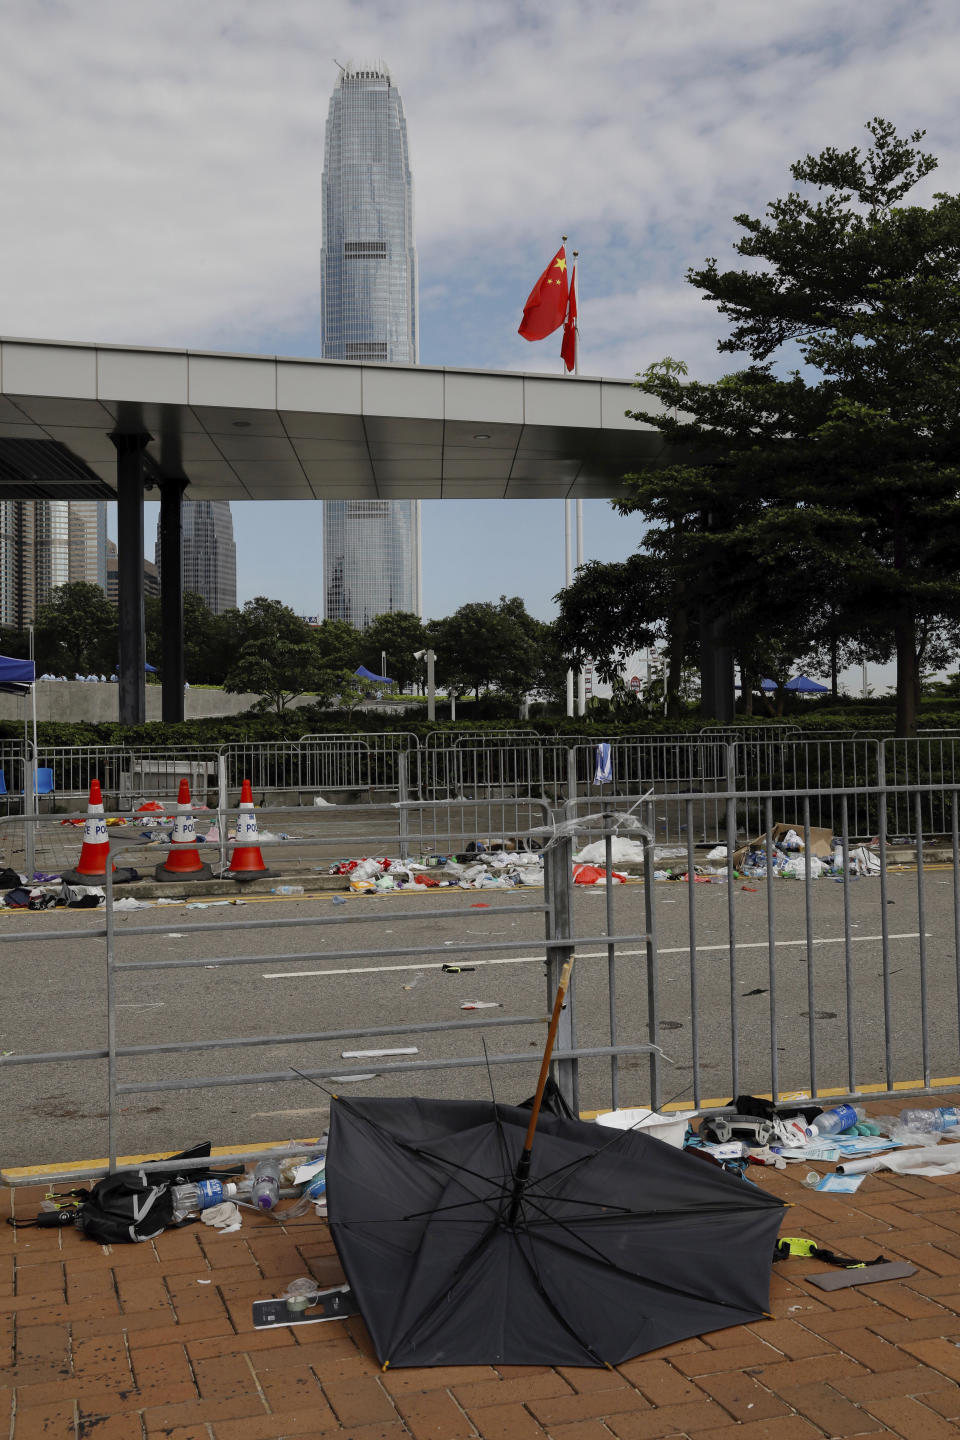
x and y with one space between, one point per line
160 168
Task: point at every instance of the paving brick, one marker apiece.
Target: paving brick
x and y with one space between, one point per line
163 1375
918 1380
434 1416
790 1427
660 1382
561 1409
670 1420
586 1381
386 1431
513 1422
739 1357
789 1337
945 1402
911 1419
152 1336
137 1293
932 1327
743 1396
269 1427
805 1372
942 1355
293 1388
869 1349
582 1430
438 1377
161 1418
46 1422
359 1402
825 1322
826 1408
112 1427
44 1346
502 1392
220 1377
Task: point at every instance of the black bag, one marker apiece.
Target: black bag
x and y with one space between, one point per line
137 1205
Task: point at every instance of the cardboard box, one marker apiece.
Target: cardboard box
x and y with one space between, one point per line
821 842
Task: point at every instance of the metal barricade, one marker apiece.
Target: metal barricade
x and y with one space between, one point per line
161 1063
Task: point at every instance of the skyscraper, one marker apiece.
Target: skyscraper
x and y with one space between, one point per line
371 548
209 553
45 544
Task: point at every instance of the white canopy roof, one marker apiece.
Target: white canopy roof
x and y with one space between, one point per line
255 427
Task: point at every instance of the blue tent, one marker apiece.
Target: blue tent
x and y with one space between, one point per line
802 685
16 676
366 674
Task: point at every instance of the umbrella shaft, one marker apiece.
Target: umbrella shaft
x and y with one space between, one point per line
519 1181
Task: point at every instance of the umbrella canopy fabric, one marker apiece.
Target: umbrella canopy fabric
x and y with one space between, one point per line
366 674
16 676
620 1245
806 686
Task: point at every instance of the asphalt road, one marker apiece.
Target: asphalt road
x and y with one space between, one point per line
55 998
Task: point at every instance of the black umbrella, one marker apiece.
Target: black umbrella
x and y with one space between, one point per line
465 1245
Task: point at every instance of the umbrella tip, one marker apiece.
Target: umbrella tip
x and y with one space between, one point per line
384 1366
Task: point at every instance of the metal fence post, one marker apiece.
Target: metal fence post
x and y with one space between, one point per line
31 807
403 795
571 779
223 801
650 916
558 893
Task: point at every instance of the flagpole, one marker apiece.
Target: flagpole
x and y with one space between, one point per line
582 677
567 547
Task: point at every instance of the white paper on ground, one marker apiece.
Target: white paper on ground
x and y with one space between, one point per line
943 1160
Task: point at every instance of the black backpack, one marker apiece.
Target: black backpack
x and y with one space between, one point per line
137 1205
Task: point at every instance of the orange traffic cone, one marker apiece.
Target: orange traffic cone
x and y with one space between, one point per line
183 861
246 862
92 865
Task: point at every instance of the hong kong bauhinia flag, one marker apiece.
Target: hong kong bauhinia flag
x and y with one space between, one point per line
568 346
546 305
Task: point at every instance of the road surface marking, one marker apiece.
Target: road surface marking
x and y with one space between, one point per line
582 955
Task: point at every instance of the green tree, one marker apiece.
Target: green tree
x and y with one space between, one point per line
844 474
77 632
209 641
277 658
483 645
396 634
338 644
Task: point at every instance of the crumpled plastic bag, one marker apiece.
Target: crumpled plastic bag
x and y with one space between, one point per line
591 875
791 841
798 865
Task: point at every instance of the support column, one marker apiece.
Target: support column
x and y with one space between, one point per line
133 698
171 596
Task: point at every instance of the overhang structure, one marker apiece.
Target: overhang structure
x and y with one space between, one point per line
107 422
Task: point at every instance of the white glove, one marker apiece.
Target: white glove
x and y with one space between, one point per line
224 1217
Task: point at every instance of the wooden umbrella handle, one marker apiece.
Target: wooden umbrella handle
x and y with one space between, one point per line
548 1051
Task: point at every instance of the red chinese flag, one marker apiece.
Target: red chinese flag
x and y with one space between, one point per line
547 303
568 347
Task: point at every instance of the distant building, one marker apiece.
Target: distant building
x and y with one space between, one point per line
209 553
45 544
151 577
371 548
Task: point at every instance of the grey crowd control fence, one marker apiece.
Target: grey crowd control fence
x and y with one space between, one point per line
687 992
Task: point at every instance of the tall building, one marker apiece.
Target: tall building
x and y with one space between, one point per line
209 553
151 576
45 544
371 548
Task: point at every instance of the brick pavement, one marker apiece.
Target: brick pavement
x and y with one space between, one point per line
152 1340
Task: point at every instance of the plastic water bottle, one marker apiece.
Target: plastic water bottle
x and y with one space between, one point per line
191 1199
286 890
930 1122
265 1191
835 1121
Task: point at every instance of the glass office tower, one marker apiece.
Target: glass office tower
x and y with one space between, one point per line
371 548
209 553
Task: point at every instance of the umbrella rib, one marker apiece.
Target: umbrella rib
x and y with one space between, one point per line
448 1284
534 1269
602 1259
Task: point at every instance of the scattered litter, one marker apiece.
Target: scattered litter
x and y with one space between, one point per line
412 984
458 969
224 1217
481 1005
320 803
480 905
339 900
840 1184
351 1079
175 935
129 903
378 1054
